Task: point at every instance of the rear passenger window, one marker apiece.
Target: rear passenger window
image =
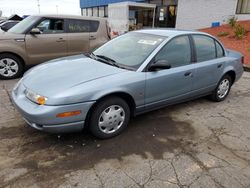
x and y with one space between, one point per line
205 48
220 51
94 25
78 26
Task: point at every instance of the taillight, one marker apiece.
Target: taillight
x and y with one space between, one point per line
242 59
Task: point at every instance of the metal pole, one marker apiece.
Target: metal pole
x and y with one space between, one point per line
56 9
38 5
153 25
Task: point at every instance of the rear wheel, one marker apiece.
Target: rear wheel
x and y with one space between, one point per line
109 117
10 66
223 88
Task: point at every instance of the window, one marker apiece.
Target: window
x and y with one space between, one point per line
220 51
89 12
51 26
177 52
78 26
243 7
101 11
205 48
95 11
131 49
84 12
106 11
94 25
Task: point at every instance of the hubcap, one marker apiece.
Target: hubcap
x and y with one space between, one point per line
111 119
223 88
8 67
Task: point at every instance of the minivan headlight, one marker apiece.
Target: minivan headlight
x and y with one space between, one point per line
36 98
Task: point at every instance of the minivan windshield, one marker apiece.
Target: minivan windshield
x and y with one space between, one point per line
131 49
25 24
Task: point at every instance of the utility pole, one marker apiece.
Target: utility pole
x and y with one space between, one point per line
38 5
56 9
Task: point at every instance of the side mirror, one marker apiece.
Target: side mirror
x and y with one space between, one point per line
159 65
35 31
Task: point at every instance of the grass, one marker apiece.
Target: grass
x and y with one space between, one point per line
223 34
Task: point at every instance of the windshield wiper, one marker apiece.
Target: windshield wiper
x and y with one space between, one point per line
108 60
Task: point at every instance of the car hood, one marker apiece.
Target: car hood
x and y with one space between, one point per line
54 77
10 36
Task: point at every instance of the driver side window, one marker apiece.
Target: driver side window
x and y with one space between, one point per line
51 26
177 52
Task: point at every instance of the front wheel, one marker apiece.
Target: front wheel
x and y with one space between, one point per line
10 66
222 90
109 118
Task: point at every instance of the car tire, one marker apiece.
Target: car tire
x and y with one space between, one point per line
11 66
109 118
222 90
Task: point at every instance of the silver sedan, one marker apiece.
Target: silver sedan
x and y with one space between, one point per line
131 74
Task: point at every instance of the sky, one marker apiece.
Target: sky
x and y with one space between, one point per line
28 7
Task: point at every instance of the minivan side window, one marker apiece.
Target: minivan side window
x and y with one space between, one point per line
220 51
177 52
94 25
82 26
78 26
205 48
51 26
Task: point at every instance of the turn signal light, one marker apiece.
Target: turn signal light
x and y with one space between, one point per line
68 114
41 100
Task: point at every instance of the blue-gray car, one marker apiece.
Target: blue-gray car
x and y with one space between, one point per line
132 74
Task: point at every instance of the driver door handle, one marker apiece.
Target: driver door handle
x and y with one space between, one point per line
60 40
189 73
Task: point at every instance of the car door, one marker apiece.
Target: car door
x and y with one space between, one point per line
51 43
97 34
174 84
209 63
78 36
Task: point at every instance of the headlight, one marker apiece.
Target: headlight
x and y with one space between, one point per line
36 98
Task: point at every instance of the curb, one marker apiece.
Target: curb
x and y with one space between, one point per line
246 68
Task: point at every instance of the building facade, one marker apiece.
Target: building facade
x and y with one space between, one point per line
181 14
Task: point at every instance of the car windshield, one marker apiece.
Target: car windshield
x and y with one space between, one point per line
22 26
129 50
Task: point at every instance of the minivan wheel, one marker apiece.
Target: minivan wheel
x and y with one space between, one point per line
10 66
223 88
109 118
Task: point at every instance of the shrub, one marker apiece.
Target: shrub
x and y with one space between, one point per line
223 34
232 21
239 31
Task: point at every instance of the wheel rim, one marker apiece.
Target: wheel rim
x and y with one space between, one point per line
8 67
223 88
111 119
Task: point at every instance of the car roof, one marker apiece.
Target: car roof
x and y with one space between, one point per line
65 16
168 32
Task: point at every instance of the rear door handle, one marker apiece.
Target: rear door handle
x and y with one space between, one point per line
219 66
188 74
92 38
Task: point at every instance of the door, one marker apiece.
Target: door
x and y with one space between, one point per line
209 66
51 43
174 84
97 34
78 36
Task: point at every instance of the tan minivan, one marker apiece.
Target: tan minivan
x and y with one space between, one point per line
40 38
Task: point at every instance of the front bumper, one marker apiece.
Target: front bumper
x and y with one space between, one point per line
43 117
